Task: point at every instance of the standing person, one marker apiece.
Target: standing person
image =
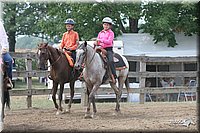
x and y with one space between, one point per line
70 39
105 40
4 47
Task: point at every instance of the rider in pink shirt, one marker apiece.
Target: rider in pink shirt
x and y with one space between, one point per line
105 40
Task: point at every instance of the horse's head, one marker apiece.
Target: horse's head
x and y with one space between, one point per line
43 55
80 55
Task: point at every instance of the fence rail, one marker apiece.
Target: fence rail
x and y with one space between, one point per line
142 75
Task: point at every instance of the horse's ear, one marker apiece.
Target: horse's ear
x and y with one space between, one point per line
85 44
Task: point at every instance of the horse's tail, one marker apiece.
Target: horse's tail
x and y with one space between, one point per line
7 99
127 84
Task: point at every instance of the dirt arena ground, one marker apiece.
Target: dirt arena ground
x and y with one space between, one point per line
155 116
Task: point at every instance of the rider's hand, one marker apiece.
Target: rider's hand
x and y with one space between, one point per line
98 40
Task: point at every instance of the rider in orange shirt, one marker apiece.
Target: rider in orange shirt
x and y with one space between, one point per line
70 39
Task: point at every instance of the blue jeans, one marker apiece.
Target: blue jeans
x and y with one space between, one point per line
8 59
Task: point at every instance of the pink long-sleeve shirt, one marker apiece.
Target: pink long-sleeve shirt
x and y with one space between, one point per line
106 38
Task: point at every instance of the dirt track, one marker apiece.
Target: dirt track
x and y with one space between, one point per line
134 117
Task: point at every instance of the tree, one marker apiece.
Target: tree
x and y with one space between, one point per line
22 19
164 19
88 17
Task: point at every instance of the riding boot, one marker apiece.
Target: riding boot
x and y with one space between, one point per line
72 74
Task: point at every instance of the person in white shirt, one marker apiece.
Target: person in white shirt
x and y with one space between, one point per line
4 48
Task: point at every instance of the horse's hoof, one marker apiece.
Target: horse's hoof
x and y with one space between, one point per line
116 113
63 112
88 116
67 111
58 113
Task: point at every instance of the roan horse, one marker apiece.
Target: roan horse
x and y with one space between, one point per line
94 72
60 72
6 86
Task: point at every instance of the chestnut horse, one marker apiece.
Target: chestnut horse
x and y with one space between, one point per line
60 73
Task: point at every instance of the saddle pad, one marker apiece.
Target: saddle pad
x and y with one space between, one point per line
70 60
118 61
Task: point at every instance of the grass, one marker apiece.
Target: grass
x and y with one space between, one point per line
21 84
19 102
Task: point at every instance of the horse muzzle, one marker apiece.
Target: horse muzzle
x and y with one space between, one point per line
77 66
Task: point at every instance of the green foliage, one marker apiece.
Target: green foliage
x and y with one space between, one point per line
21 64
46 20
163 19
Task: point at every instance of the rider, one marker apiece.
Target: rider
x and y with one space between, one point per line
4 47
105 40
70 39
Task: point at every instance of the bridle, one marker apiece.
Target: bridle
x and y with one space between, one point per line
86 56
50 55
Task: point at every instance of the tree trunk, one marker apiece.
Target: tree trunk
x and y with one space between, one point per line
12 41
12 32
133 25
122 27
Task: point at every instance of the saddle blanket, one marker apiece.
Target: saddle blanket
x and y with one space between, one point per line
119 62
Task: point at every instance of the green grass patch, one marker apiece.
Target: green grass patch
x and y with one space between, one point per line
21 84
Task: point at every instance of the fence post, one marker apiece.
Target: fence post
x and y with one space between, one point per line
142 79
29 81
84 96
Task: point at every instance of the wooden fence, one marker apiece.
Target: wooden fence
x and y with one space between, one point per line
142 74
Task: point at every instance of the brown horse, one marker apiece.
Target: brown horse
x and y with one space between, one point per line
6 86
60 72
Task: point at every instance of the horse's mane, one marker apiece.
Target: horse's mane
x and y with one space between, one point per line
82 45
57 50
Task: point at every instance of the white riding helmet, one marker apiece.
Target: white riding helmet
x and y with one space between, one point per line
107 20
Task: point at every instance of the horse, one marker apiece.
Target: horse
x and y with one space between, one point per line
6 86
93 74
60 73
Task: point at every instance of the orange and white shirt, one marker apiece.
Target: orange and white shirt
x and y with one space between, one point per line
69 40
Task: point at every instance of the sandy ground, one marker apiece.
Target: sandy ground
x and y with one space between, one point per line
134 117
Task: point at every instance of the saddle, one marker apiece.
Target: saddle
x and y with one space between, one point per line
118 62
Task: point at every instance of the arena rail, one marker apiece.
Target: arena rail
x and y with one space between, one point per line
142 74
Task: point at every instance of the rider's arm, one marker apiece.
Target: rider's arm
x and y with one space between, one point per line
76 42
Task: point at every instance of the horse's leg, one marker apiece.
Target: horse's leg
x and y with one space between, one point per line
60 97
91 100
94 105
55 88
121 81
118 95
71 96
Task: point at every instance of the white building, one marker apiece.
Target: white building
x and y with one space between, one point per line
142 44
